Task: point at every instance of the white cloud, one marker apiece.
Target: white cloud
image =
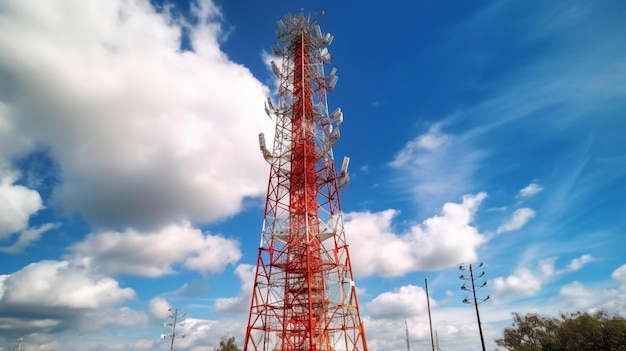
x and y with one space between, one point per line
62 284
530 190
54 296
578 296
578 263
123 316
390 334
528 282
433 139
455 327
143 132
34 341
407 301
620 274
159 308
520 217
28 236
204 335
524 282
152 254
200 335
429 141
17 204
239 304
440 241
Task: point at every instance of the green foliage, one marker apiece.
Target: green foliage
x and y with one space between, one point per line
227 344
576 331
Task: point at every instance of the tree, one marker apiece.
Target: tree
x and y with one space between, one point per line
575 331
227 344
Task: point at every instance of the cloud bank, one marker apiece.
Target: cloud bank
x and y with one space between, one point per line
441 241
144 132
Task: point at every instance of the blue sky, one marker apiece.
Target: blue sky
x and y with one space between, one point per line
131 180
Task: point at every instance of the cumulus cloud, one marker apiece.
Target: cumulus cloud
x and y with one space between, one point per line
34 341
520 217
123 316
200 335
153 254
439 242
454 326
17 204
530 190
239 304
525 281
159 308
407 301
528 282
609 299
62 284
56 295
204 335
144 133
620 274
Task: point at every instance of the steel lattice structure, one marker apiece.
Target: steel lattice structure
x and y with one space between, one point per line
304 295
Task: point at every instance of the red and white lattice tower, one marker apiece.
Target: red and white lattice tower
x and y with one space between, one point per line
304 296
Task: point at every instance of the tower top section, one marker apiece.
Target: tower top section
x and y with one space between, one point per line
302 53
295 26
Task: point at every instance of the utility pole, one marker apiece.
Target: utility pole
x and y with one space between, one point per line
175 321
430 320
473 288
408 344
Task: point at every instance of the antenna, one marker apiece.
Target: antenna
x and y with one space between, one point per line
267 155
344 176
337 116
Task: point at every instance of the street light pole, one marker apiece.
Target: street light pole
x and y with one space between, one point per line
474 301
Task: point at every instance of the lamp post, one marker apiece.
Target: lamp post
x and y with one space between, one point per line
473 288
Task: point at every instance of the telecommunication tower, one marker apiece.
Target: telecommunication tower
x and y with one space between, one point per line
304 296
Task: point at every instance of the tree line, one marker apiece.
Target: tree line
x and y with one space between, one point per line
570 331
